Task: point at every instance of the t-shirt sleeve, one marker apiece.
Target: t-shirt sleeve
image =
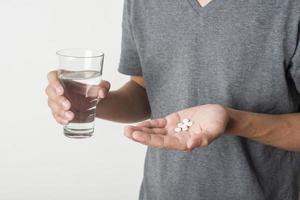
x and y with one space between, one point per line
129 59
295 65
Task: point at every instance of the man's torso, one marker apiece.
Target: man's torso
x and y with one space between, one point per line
233 53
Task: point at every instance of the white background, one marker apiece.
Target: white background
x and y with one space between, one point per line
36 161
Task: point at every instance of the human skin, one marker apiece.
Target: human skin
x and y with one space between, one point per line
203 2
130 104
212 121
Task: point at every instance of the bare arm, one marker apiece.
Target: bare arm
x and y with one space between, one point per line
128 104
281 131
211 121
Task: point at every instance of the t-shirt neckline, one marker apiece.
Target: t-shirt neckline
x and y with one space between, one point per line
202 10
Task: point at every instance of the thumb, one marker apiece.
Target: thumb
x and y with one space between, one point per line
104 87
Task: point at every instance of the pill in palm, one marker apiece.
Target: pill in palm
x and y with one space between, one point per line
185 120
184 125
180 125
185 128
177 130
189 124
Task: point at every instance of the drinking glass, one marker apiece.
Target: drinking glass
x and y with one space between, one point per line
80 72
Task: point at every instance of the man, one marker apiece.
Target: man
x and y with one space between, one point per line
230 67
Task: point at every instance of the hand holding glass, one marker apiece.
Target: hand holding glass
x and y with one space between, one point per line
80 72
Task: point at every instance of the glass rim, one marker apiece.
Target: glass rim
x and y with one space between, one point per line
98 54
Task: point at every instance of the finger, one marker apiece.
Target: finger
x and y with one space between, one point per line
67 116
51 92
104 89
52 76
128 130
57 110
54 82
159 141
155 123
60 100
148 139
161 131
61 120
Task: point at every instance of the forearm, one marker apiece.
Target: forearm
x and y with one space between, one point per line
129 104
281 131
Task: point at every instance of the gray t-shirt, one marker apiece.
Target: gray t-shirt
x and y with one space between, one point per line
238 53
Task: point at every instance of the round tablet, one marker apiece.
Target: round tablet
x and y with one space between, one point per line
189 124
180 125
177 130
185 128
185 120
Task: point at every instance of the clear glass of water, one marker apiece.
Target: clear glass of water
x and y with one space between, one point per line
80 72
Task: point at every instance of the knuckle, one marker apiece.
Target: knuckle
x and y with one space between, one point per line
61 99
55 115
103 90
58 119
51 93
55 84
52 105
58 111
106 84
51 74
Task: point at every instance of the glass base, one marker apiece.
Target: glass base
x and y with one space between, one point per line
79 130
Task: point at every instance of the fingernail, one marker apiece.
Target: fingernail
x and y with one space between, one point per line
69 115
65 104
101 94
59 90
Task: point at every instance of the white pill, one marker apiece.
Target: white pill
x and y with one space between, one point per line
181 125
177 130
185 128
189 123
185 120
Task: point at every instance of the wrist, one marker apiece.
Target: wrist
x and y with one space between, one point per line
240 123
251 125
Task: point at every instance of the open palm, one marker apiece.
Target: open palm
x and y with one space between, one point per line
209 122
